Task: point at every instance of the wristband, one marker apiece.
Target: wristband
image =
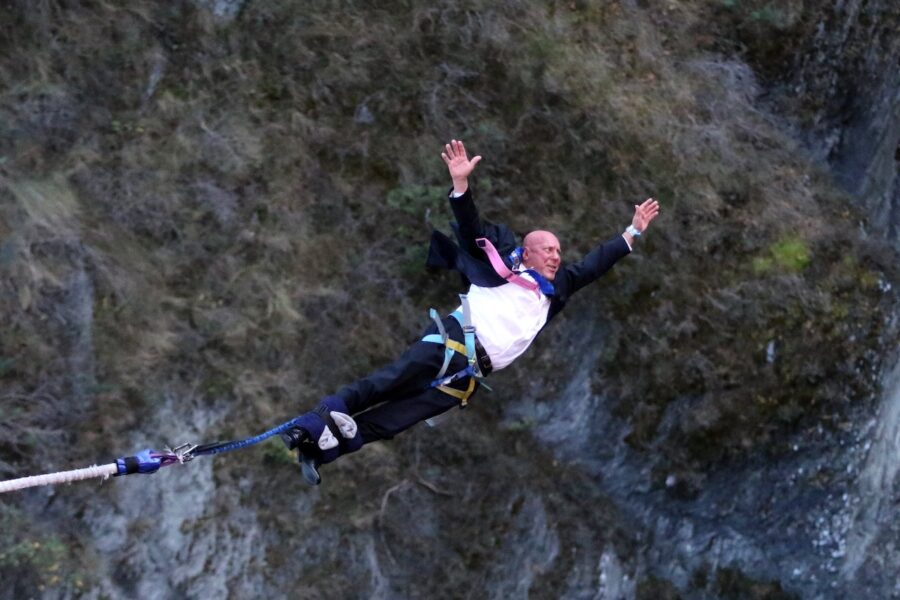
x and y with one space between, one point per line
633 231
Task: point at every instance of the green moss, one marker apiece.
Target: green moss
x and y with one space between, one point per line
791 253
762 265
47 559
219 385
840 311
275 453
519 425
869 279
40 553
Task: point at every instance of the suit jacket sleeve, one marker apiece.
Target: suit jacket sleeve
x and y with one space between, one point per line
594 264
468 223
469 226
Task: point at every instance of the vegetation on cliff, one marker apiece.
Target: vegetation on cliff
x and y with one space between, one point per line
230 213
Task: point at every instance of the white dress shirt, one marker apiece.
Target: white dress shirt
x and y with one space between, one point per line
507 318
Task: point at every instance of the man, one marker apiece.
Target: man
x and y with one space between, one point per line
508 303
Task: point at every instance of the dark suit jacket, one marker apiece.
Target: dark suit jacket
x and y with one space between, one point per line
472 263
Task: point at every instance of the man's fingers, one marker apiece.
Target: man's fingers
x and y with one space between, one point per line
647 211
475 161
448 149
461 150
446 158
649 208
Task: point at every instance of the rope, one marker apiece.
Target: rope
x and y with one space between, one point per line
103 471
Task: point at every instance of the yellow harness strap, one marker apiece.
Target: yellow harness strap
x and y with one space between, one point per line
462 395
456 346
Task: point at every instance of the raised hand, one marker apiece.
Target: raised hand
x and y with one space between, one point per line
644 213
458 164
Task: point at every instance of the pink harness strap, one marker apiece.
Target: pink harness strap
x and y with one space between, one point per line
502 270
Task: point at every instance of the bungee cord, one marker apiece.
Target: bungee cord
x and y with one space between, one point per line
146 462
103 471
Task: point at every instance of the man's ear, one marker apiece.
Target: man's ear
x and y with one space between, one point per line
524 255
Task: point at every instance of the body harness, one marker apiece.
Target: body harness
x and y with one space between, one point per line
451 346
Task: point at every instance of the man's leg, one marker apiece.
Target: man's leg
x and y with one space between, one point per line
403 391
407 377
388 419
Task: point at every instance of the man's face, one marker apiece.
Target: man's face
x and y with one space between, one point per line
542 253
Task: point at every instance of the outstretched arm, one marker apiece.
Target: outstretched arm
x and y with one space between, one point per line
599 260
467 218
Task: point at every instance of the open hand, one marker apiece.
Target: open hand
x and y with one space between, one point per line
458 164
644 213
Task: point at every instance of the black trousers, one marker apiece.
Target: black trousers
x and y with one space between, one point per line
398 396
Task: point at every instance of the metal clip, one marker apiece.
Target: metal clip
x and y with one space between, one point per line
184 452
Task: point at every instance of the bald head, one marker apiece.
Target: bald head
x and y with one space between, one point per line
542 253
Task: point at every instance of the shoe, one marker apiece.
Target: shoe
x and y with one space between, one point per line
309 466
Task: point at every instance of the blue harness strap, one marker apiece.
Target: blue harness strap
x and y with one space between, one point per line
444 336
219 447
465 321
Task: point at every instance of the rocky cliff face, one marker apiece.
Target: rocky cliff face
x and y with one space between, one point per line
850 66
193 247
846 86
